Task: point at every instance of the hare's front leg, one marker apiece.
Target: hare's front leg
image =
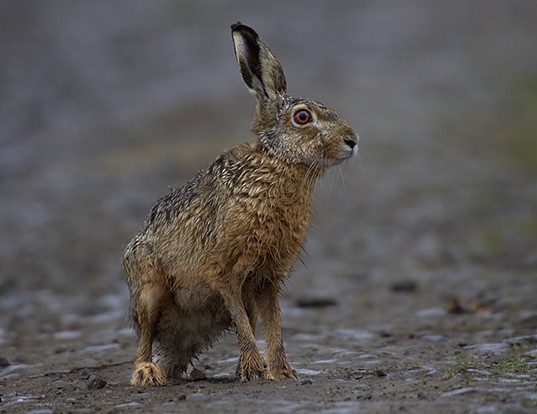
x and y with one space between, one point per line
251 364
269 309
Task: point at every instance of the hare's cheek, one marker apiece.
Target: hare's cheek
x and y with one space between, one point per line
337 151
310 142
317 148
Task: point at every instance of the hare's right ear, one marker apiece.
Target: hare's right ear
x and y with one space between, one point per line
260 70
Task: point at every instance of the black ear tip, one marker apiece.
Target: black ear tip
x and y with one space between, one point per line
245 30
236 26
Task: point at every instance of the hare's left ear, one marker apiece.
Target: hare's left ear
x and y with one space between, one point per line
260 70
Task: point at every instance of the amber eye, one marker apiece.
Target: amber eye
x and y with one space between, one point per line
302 117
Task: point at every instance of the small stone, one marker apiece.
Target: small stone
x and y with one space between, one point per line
4 362
197 375
181 397
306 382
385 333
315 301
85 373
60 349
380 373
407 286
95 382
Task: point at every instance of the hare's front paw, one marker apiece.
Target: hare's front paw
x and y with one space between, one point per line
281 374
147 374
247 374
251 370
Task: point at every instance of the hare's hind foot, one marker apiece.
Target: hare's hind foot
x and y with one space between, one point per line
148 374
280 374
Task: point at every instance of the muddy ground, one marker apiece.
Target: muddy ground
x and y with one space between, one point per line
418 289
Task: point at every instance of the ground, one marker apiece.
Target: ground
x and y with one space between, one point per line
416 292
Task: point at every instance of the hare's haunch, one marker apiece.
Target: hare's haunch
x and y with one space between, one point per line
213 254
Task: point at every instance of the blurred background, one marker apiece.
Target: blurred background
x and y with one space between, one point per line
104 105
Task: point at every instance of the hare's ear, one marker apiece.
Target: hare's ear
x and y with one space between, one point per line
260 70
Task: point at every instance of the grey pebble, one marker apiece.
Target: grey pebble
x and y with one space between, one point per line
4 362
95 382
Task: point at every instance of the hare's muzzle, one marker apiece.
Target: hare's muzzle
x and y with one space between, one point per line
351 145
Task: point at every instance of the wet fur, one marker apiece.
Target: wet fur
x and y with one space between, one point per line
212 255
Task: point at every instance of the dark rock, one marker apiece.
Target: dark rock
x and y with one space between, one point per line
4 362
380 373
306 382
315 301
96 382
407 286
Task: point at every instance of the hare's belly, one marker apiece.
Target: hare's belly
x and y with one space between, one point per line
188 327
198 299
198 310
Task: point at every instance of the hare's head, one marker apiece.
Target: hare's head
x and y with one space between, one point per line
295 130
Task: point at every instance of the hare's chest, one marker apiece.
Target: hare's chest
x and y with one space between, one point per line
270 228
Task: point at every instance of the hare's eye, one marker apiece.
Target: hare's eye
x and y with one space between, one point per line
302 117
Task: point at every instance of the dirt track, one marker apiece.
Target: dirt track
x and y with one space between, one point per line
417 293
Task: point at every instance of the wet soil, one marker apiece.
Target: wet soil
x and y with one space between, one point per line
417 289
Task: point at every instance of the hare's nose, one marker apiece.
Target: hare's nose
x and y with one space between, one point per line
350 143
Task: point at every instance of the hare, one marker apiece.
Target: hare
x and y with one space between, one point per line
213 255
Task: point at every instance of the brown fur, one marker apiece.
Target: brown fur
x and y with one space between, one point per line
213 254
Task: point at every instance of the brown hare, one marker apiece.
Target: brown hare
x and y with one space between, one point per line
212 255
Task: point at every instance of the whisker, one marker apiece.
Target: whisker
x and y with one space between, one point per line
331 183
344 182
306 185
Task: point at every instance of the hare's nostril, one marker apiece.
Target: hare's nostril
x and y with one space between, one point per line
350 142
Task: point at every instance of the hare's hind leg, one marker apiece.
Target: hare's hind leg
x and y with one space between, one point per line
146 312
169 351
